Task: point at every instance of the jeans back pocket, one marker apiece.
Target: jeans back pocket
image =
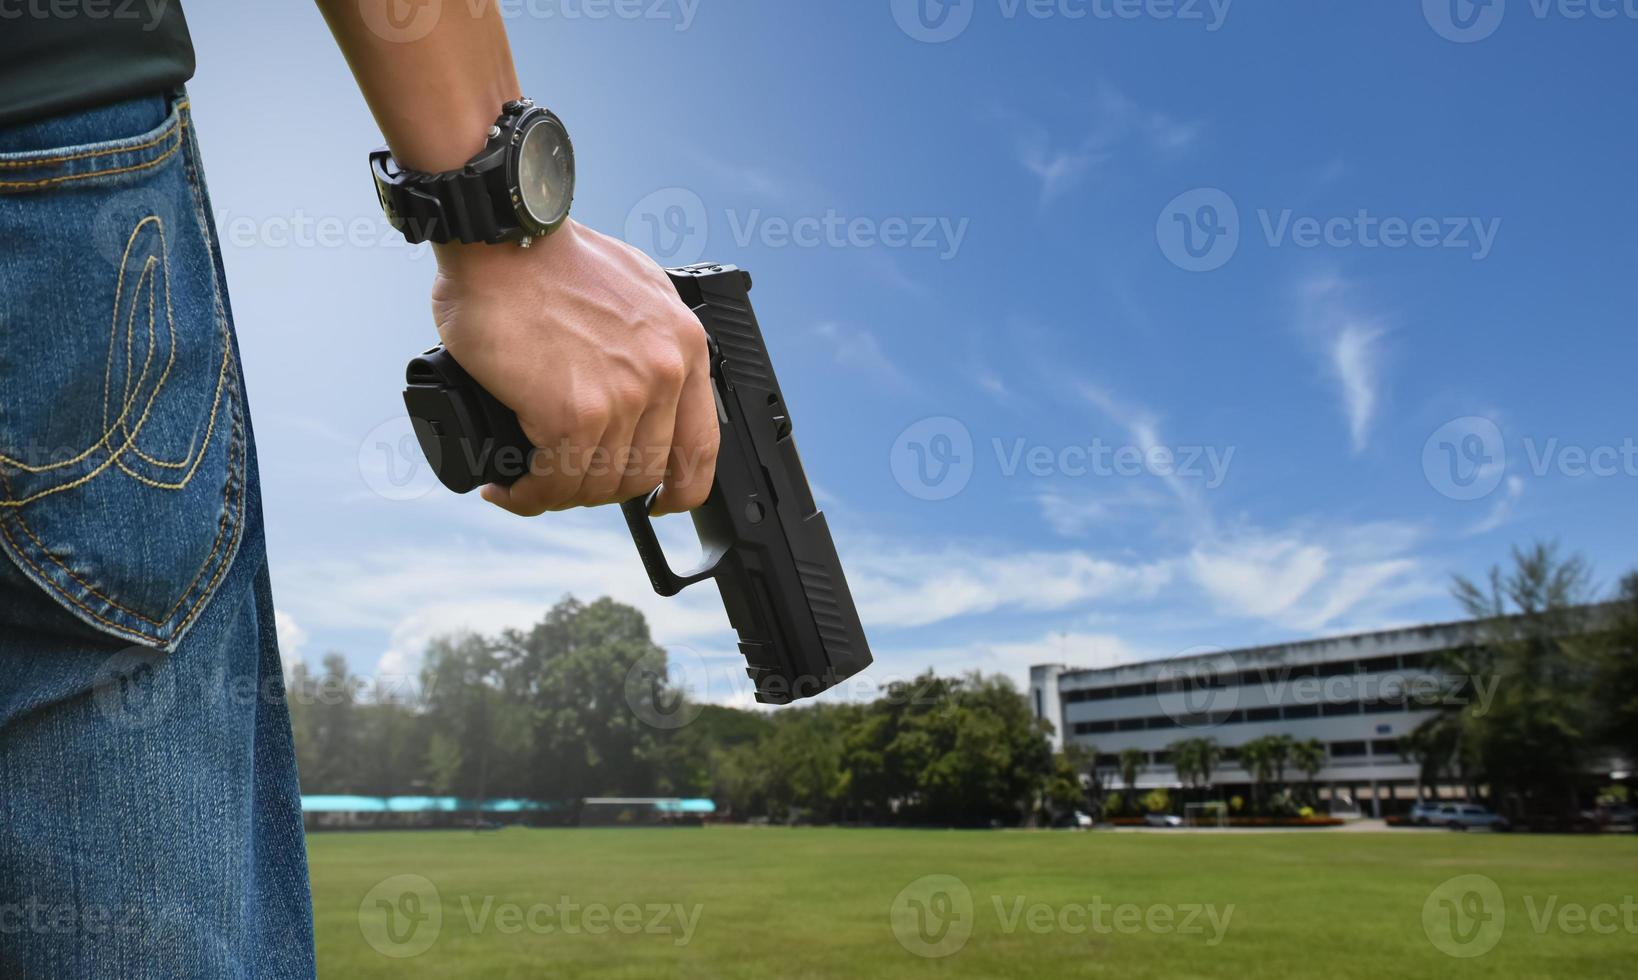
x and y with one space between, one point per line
123 440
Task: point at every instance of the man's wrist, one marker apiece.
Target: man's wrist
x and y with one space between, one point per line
466 261
458 130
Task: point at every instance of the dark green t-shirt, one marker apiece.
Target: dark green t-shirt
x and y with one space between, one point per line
60 55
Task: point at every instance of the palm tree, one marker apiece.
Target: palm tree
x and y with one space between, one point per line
1309 758
1208 756
1131 761
1279 749
1185 759
1255 757
1529 745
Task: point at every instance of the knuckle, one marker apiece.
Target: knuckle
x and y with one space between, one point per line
629 401
590 416
670 367
691 335
692 496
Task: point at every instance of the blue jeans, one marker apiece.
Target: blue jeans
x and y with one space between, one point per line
150 821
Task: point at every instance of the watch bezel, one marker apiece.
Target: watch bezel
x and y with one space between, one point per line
532 117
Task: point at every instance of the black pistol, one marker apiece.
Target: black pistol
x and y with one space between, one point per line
763 540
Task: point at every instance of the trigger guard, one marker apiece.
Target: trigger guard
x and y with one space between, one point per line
666 582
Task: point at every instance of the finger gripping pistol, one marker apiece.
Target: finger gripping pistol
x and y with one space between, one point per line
762 539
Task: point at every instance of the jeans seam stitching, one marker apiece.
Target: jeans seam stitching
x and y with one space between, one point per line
225 530
114 454
24 185
107 151
233 529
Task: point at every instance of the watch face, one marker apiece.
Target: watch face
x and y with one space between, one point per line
545 173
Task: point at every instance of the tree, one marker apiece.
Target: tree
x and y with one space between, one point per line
575 677
1615 676
1208 756
1309 758
1515 713
1195 760
1182 753
1265 759
1131 763
324 715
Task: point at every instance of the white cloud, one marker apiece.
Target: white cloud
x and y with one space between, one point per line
1352 341
1307 579
1355 359
1116 121
506 576
906 587
461 582
1011 658
1072 515
858 349
292 640
1143 429
1502 510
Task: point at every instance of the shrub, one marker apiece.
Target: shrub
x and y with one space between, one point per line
1158 801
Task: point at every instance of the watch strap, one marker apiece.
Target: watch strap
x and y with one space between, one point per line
452 206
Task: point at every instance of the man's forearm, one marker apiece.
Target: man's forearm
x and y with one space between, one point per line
434 97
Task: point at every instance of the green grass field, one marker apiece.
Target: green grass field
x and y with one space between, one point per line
778 903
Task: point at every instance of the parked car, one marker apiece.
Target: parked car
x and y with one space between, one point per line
1618 815
1465 816
1424 814
1164 820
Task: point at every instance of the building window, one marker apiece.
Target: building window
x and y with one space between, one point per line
1129 725
1384 707
1338 668
1338 710
1163 758
1348 750
1040 712
1379 665
1386 747
1301 711
1262 714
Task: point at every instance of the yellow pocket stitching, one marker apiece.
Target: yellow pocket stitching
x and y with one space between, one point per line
109 151
223 375
28 185
104 441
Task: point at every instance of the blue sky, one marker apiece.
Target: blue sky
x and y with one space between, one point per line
1107 336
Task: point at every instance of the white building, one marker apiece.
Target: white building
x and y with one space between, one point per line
1356 694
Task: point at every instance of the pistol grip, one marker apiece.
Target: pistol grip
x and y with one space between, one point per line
665 581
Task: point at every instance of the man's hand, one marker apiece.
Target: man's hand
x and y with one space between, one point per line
582 336
585 339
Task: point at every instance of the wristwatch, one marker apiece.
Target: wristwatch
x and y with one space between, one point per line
518 188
